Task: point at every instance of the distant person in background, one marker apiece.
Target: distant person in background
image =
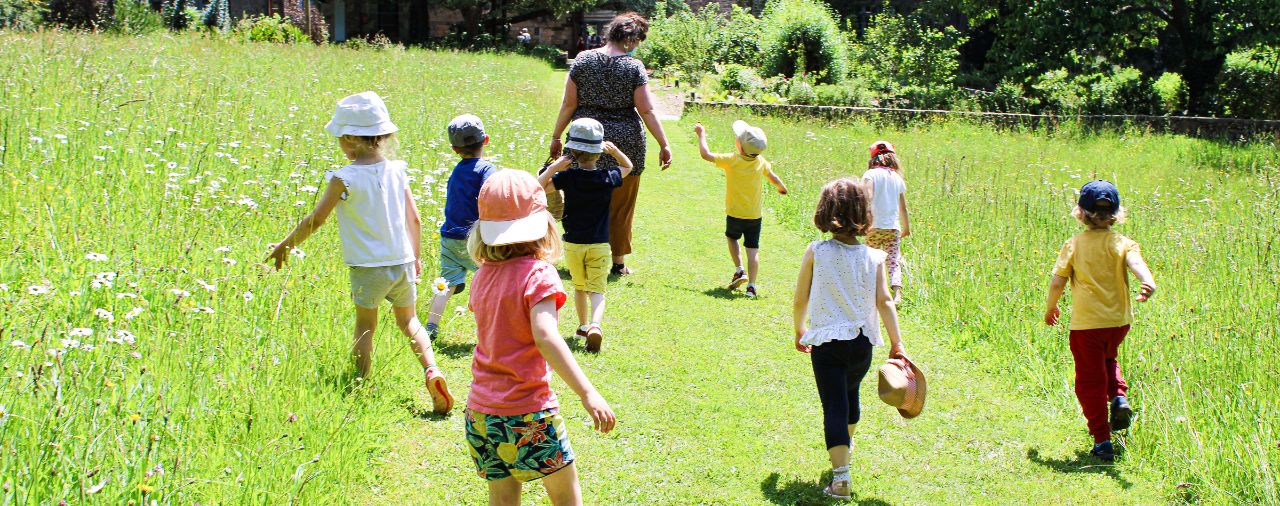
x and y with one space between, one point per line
1095 263
524 38
581 46
612 87
596 40
890 223
381 233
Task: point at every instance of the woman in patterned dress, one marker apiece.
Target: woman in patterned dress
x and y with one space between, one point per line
611 86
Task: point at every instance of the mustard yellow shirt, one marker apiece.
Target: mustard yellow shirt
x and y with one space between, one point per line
1094 261
743 188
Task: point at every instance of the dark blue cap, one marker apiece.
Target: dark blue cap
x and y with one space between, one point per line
1099 195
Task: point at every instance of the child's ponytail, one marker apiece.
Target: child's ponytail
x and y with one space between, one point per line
887 160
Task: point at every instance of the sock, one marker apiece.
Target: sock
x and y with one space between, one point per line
432 326
751 285
431 367
739 271
584 327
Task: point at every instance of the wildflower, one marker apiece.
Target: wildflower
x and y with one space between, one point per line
179 292
228 261
37 140
291 418
203 309
18 343
133 313
135 355
440 286
104 314
460 309
57 352
234 144
309 189
80 332
126 295
96 257
248 296
297 252
74 293
145 489
69 344
172 165
38 289
123 337
4 287
158 470
99 283
222 249
207 286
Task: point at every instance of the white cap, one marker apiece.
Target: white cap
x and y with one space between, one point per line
586 134
751 138
362 114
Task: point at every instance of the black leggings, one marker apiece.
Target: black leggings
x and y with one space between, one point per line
838 367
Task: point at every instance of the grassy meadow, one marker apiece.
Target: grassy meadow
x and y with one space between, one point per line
147 356
989 211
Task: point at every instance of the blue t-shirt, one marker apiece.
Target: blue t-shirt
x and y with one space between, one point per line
586 203
460 207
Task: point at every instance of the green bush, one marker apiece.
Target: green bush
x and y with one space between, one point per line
269 29
1123 91
738 39
176 16
216 16
739 78
1171 91
682 42
801 93
920 97
851 93
546 52
898 51
134 17
1008 96
1059 92
801 37
21 14
77 13
1248 86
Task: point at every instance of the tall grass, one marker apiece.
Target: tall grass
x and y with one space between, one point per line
989 211
145 354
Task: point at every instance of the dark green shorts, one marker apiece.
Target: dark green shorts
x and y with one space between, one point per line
526 447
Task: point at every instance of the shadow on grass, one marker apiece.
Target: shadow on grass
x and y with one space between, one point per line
803 492
721 292
424 412
344 380
454 349
1082 462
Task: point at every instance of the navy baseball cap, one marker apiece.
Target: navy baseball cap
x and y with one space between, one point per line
1099 195
466 130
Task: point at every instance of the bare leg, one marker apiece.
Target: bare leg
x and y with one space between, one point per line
580 305
753 264
504 492
597 307
734 253
407 320
562 487
619 259
362 343
438 303
840 454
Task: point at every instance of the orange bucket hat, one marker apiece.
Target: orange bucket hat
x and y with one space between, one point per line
902 385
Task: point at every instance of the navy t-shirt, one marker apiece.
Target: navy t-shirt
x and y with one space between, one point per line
586 203
460 208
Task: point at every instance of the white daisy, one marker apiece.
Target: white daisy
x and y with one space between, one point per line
96 257
133 313
439 286
18 343
38 289
80 332
104 314
248 296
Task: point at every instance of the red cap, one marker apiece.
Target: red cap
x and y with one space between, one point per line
879 147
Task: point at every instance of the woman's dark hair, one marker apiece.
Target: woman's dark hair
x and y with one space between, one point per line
844 207
627 27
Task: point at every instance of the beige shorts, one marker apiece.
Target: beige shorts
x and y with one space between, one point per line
395 283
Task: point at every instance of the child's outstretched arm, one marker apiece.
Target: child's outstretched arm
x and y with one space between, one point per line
413 225
776 182
1138 266
888 314
546 335
800 303
703 150
1057 284
332 195
624 163
906 219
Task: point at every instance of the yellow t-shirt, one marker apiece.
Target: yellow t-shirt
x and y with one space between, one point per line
743 189
1094 261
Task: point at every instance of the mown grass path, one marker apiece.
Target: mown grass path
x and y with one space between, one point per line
716 407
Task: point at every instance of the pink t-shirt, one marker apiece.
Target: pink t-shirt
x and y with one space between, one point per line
510 376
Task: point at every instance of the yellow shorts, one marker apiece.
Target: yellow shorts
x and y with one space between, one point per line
588 265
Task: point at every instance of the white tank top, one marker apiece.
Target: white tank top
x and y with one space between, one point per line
371 219
842 299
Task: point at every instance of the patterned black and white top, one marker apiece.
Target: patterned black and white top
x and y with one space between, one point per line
606 93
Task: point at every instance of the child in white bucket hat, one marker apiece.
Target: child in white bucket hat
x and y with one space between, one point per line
381 233
744 171
587 195
514 430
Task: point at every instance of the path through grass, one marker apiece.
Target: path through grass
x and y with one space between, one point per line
716 407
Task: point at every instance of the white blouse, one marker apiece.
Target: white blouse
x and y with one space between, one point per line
371 216
842 299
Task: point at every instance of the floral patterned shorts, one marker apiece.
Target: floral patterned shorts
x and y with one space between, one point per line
888 241
526 447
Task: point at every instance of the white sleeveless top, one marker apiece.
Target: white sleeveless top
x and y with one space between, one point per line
842 300
371 216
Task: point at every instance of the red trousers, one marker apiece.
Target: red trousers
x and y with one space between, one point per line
1098 377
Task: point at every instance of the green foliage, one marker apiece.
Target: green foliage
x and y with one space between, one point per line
1171 91
902 51
682 42
21 14
175 15
1008 96
739 78
84 14
853 92
801 93
271 28
216 16
134 17
738 39
1060 92
801 37
1123 91
1250 84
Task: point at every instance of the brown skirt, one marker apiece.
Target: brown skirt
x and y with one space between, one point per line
622 208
